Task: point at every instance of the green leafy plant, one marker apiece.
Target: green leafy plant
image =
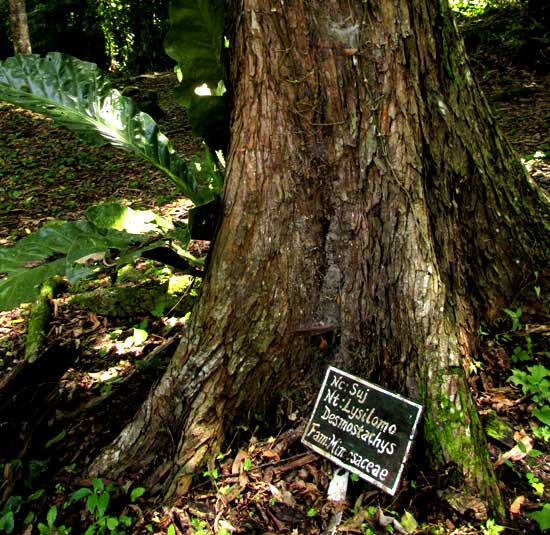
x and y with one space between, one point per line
515 316
195 40
212 474
77 95
542 432
15 505
7 515
139 335
49 528
490 527
536 383
136 493
98 498
111 236
542 517
200 527
535 482
522 354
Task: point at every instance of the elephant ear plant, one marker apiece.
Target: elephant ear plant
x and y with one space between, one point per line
196 42
77 95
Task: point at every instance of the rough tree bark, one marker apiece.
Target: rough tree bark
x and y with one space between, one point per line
19 27
368 191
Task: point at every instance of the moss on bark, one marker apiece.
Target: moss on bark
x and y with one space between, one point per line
40 317
176 295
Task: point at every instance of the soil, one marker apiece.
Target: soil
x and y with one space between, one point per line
95 370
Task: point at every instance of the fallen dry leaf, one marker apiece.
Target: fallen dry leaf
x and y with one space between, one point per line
384 521
268 475
183 485
243 479
93 319
519 451
271 454
515 508
238 462
282 494
502 399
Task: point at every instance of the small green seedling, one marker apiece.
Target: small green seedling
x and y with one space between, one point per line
49 528
97 502
491 527
515 315
535 482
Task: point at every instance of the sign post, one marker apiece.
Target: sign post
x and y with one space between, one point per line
363 428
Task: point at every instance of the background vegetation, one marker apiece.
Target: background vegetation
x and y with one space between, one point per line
122 35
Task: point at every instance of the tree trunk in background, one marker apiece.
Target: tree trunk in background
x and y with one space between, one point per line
368 192
19 27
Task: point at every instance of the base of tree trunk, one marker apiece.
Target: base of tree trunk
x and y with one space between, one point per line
368 195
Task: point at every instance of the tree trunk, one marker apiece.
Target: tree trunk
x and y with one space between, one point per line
19 27
367 193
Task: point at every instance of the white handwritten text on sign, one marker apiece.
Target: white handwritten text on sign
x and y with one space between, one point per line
363 428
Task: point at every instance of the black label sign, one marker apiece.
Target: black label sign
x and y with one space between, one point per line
363 428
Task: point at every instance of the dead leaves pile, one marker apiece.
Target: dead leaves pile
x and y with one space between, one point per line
257 490
263 489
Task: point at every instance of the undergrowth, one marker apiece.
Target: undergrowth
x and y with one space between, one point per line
505 31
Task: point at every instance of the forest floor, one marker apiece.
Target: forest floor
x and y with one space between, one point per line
96 368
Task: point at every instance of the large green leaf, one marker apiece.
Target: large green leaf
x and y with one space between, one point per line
195 40
543 414
77 95
111 235
542 516
23 286
112 215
